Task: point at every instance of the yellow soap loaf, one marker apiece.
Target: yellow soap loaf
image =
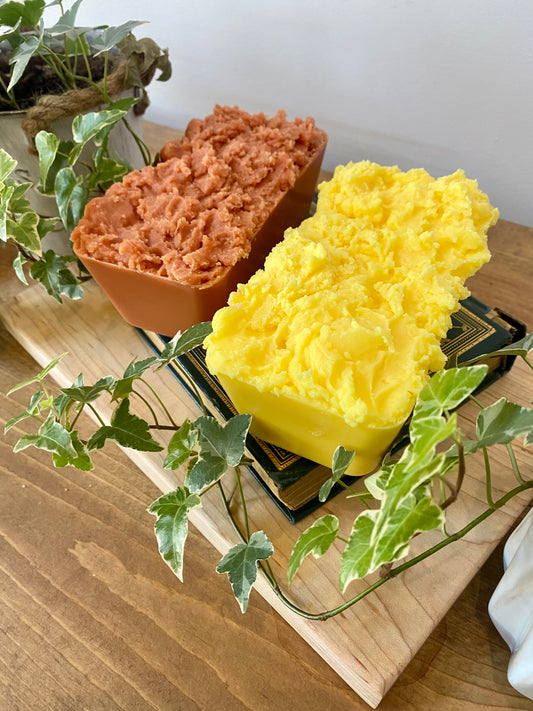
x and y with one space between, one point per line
332 341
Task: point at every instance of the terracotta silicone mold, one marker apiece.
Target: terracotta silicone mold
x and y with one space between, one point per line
153 290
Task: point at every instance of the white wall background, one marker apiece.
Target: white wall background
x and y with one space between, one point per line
441 84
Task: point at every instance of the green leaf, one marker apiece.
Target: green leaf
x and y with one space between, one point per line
111 36
20 58
7 164
40 376
501 423
184 342
88 393
240 563
357 557
341 460
18 201
447 389
76 45
206 470
32 410
172 524
226 441
91 125
519 348
107 172
71 197
366 551
67 21
376 483
25 231
6 196
46 225
52 437
26 14
127 429
56 277
47 145
18 266
133 372
317 539
426 433
81 460
164 65
181 446
144 57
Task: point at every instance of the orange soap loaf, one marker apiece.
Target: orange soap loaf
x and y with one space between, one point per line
220 197
332 341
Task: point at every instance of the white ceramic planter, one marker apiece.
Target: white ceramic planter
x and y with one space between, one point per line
511 605
14 141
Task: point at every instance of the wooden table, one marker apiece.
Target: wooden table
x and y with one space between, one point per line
92 619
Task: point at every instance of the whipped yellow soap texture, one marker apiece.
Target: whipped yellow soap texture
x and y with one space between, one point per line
332 341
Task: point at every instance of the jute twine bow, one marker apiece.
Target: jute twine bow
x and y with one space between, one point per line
51 108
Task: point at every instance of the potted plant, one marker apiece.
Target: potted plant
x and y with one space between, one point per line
71 99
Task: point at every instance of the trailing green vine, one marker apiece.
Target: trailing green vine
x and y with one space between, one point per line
403 502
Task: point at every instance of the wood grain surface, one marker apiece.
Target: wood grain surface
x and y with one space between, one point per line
91 618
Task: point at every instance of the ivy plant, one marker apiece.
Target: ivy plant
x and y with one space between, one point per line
87 69
59 160
410 494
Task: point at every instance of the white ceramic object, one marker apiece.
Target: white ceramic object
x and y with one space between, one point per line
14 141
511 605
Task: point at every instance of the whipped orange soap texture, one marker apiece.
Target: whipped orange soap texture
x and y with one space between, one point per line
332 341
195 214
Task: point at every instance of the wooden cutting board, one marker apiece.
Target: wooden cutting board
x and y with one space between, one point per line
369 644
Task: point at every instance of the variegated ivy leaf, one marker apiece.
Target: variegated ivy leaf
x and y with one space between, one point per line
207 469
53 273
40 376
32 410
501 423
447 389
172 525
240 563
25 231
71 196
220 447
47 145
366 551
52 437
7 164
127 429
181 446
417 466
226 441
342 458
184 342
376 483
81 460
317 539
426 433
88 393
18 266
135 370
6 196
519 348
93 125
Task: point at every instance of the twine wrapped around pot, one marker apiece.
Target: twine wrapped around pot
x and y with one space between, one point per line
51 108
